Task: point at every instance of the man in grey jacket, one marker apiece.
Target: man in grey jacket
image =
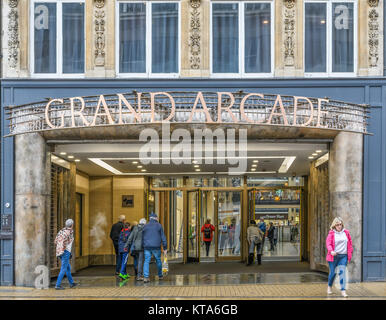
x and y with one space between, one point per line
135 245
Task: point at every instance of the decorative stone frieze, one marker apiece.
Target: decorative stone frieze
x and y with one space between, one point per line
289 32
373 38
13 34
100 43
195 35
373 3
99 3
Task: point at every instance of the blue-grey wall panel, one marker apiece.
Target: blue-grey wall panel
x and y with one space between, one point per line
374 268
372 91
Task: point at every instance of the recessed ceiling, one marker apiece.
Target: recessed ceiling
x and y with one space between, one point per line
261 159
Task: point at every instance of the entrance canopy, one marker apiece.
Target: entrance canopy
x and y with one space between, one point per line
129 113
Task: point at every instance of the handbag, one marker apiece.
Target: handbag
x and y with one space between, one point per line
165 265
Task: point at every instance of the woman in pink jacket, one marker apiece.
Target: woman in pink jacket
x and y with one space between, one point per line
339 247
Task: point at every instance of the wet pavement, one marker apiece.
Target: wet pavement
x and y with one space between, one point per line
202 279
204 274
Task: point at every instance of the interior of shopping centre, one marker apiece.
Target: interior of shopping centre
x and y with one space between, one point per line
108 179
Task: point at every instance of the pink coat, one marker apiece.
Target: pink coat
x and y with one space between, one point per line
330 244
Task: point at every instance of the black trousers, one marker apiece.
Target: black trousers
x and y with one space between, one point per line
207 245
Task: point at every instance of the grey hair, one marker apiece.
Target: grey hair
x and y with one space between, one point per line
142 221
69 223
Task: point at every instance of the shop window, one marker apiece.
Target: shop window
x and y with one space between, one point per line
148 39
330 38
58 38
242 39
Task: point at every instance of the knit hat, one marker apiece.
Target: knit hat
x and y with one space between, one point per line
153 216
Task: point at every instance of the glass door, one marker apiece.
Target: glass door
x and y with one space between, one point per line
207 223
193 241
229 244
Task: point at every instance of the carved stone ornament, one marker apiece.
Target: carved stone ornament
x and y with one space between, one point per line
99 38
195 35
289 4
373 3
373 38
289 37
13 35
13 3
99 3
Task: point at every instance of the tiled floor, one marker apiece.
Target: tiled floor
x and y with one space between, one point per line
243 291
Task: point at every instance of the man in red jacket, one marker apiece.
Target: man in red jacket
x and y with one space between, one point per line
207 232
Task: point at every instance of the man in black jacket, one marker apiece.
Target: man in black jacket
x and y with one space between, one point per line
114 235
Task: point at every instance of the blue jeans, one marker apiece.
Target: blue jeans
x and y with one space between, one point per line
65 268
124 257
340 262
157 255
138 263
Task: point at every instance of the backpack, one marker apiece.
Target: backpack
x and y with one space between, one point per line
259 238
207 231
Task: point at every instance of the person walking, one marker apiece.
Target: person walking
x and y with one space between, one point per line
339 253
63 241
135 245
263 228
114 236
153 238
123 251
271 233
255 239
207 234
275 235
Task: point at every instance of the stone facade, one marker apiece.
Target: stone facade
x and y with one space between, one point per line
195 38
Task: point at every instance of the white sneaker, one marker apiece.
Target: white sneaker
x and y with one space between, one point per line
344 294
329 290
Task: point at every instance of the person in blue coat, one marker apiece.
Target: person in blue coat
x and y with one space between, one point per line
153 237
123 251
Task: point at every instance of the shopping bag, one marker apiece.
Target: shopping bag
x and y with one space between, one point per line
165 265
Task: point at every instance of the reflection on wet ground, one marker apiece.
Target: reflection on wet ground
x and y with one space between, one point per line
204 279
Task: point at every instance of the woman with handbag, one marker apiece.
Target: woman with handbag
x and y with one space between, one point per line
255 239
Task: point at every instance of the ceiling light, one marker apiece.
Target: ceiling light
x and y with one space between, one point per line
139 167
134 162
104 165
286 164
143 170
253 169
318 151
254 165
314 154
255 161
70 157
77 160
265 21
194 161
196 166
310 157
198 169
322 21
63 153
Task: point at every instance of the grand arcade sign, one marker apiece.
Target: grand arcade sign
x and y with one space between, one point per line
187 107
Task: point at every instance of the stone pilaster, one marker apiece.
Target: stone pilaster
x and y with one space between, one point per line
100 38
32 206
289 38
370 38
345 185
195 38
